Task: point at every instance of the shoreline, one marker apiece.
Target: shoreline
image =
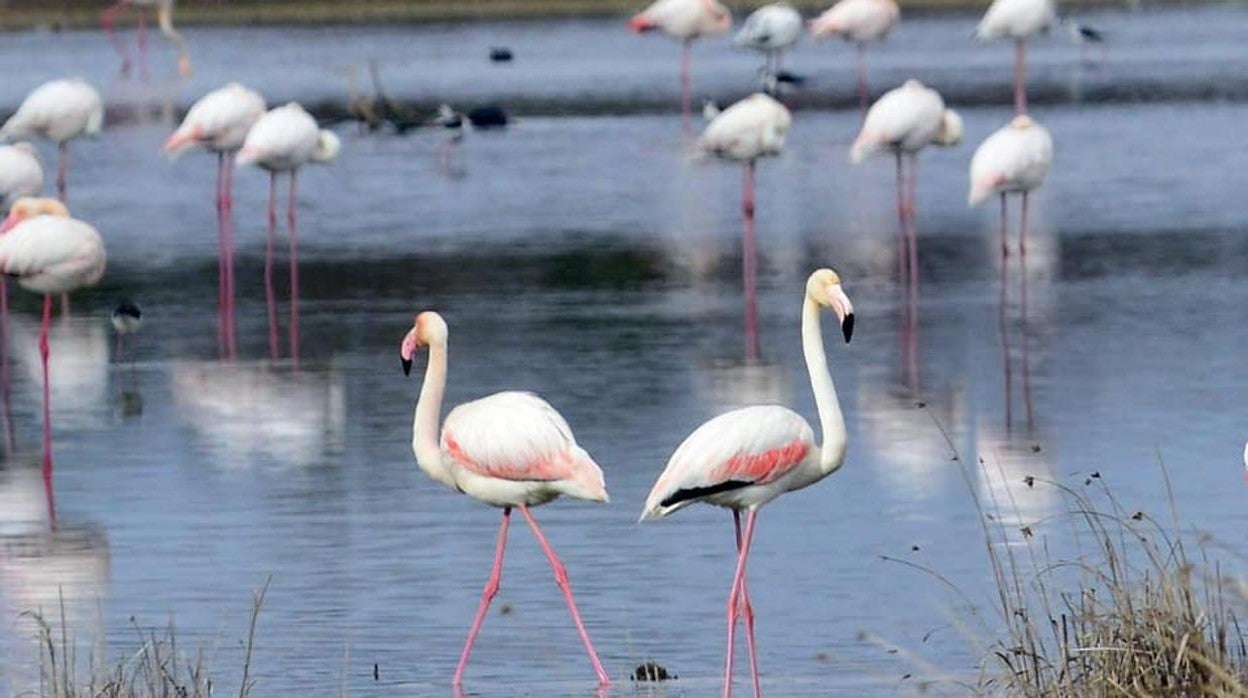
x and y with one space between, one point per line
325 12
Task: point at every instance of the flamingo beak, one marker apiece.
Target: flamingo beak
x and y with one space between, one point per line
406 349
844 309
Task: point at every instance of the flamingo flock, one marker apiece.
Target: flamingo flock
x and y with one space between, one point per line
513 450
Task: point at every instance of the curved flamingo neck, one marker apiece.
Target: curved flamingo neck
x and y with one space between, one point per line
831 421
425 421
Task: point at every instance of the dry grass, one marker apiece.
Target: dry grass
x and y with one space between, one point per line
157 669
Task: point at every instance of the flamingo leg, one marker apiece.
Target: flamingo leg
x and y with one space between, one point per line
491 590
294 271
228 217
47 399
750 266
1005 248
1022 228
1002 325
1020 76
1027 402
561 578
686 87
912 348
738 580
143 43
9 434
62 172
748 615
107 18
863 92
901 221
221 302
269 298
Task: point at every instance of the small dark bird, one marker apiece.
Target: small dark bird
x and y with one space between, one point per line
487 116
1082 32
450 120
781 80
500 54
127 319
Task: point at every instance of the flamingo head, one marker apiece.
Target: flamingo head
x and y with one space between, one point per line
824 287
428 329
951 130
29 207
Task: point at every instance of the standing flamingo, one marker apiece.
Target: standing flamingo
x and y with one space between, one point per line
1018 20
771 30
859 21
747 457
60 110
1014 159
753 128
49 253
283 140
509 449
164 17
219 121
685 20
21 172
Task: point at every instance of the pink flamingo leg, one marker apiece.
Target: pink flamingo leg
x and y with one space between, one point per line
106 20
686 88
912 348
1005 247
491 590
748 612
221 302
1001 321
902 256
268 266
143 43
1022 228
738 580
864 93
1020 76
561 578
294 272
47 401
62 172
750 267
227 217
9 434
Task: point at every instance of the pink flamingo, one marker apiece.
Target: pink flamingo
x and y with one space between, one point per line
283 140
859 21
49 253
685 20
219 122
21 174
164 18
745 458
1015 159
1018 20
60 110
509 450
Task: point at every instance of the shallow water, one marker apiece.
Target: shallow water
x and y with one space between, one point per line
590 260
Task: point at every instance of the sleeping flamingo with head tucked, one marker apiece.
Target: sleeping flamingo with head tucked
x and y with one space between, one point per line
508 450
685 20
745 458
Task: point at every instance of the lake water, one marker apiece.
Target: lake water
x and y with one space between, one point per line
588 258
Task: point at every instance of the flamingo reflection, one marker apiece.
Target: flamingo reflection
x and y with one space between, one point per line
1012 483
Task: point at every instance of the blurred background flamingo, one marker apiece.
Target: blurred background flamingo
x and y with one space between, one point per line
862 22
685 20
164 18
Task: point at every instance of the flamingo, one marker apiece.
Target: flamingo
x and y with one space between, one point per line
1015 159
508 450
771 30
685 20
49 253
60 110
745 458
283 140
219 121
21 172
753 128
1018 20
859 21
904 121
164 17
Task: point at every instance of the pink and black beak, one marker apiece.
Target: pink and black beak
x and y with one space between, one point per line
406 349
844 309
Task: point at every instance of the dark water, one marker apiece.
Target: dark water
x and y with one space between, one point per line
589 259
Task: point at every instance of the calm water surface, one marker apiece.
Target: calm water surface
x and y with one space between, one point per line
591 260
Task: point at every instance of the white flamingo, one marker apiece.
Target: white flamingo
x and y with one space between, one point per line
1018 20
219 122
771 30
283 140
745 458
508 450
164 18
21 172
859 21
685 20
1013 160
60 111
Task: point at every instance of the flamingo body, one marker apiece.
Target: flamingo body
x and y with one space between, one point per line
857 20
60 111
52 254
1014 159
683 19
1016 19
907 119
21 173
286 138
749 129
218 121
770 28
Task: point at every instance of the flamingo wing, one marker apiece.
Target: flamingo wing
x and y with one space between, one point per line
750 128
749 446
514 436
285 137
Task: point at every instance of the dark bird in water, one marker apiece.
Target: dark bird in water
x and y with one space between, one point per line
1082 32
500 54
487 116
127 318
774 83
